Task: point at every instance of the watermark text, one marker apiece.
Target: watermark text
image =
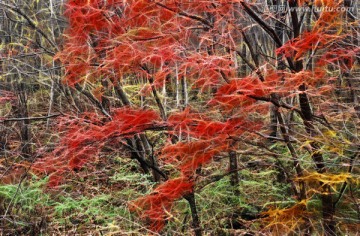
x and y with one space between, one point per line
285 8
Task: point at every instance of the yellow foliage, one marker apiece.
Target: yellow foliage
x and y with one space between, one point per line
285 221
330 133
326 178
331 141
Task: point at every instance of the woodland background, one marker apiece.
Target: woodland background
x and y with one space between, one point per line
179 118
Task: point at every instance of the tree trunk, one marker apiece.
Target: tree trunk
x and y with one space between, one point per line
328 209
195 217
140 139
233 168
20 111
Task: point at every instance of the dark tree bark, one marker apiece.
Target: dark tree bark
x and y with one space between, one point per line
234 177
194 213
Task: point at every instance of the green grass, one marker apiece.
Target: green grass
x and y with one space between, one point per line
25 197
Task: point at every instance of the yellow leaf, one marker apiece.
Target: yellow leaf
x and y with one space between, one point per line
330 133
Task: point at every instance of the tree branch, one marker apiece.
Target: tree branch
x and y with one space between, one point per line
181 13
29 118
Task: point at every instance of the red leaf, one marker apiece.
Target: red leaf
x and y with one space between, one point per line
155 206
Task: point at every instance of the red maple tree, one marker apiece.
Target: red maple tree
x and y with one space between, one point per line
195 44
